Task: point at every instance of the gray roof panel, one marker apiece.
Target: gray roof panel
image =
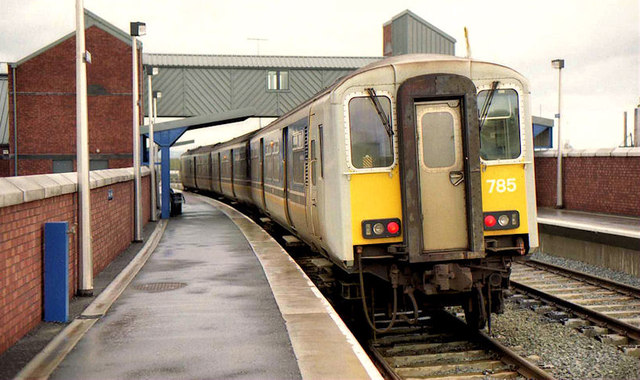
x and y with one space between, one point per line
255 61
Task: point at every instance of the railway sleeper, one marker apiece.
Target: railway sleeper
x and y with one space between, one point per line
482 367
428 348
440 359
632 350
594 331
614 339
576 323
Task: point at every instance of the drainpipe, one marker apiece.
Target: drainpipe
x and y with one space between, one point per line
636 126
15 121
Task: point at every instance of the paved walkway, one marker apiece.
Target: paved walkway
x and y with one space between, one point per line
201 307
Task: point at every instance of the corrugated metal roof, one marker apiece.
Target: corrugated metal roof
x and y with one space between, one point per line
255 61
423 21
4 110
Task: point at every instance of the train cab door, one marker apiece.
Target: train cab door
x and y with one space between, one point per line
440 167
441 163
285 170
314 176
262 170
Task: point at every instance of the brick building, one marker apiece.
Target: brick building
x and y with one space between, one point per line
45 104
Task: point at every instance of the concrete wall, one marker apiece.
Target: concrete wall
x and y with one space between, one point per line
605 255
603 181
46 104
26 203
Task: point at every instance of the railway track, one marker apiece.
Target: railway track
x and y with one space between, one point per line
604 308
443 347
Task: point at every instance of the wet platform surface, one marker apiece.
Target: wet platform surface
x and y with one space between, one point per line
628 227
218 299
201 307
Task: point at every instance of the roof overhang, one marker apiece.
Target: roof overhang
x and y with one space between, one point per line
203 121
542 121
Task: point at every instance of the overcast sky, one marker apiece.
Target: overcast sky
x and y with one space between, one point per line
599 40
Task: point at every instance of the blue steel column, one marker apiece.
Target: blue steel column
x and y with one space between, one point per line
165 165
165 139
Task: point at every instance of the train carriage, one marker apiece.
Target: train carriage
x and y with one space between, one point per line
417 170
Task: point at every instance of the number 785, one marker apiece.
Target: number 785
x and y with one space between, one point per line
502 185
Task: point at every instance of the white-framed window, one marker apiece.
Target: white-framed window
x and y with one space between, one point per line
277 80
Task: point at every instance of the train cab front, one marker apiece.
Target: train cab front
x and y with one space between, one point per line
429 236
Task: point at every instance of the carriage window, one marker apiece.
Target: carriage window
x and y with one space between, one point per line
314 173
500 134
321 154
371 145
438 140
297 157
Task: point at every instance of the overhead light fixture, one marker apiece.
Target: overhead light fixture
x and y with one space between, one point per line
138 29
557 63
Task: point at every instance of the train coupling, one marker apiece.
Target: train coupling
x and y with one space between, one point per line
443 277
399 251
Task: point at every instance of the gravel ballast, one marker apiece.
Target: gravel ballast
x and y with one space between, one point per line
560 350
621 277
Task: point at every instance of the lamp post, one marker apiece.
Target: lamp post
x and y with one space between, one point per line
137 29
559 64
85 286
152 145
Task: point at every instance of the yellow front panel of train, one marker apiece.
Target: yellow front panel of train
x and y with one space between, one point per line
374 196
504 189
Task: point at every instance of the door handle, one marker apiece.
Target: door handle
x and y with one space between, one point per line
456 177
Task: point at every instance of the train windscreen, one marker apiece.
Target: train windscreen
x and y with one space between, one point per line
500 133
371 144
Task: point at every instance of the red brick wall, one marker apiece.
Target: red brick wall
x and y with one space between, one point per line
21 249
595 184
21 297
32 167
4 167
46 104
120 163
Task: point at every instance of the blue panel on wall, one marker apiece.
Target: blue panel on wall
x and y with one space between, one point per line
56 272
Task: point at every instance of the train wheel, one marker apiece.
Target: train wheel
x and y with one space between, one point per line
475 310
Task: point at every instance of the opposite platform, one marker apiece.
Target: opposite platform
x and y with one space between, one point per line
608 241
202 307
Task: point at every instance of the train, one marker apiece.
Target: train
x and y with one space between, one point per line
413 175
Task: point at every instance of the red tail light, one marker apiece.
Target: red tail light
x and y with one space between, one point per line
489 220
393 228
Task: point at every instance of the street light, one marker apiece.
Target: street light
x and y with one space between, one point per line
137 29
85 255
151 71
559 64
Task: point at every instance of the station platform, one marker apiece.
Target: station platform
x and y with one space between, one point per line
598 223
604 240
217 298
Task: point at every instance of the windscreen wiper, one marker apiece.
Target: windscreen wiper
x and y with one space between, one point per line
484 112
381 114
